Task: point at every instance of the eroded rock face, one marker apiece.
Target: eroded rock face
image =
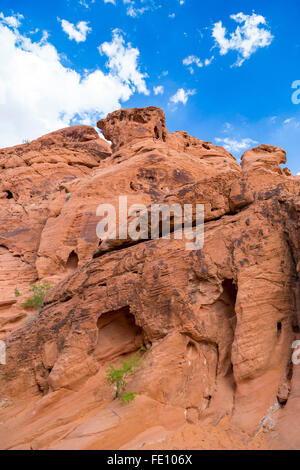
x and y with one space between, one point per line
34 183
217 323
126 126
265 158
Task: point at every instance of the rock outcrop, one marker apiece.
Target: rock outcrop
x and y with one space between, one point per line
218 322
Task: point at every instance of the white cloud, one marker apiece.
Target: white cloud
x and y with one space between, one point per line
135 12
123 62
38 94
172 15
227 127
194 60
86 3
12 21
164 74
158 90
247 37
298 174
181 96
208 61
77 32
291 122
135 8
235 146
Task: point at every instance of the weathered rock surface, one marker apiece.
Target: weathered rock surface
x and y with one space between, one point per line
218 323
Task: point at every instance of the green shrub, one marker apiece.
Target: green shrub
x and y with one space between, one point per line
38 293
118 377
17 292
127 397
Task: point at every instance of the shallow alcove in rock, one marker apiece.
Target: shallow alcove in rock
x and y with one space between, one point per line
118 334
191 351
72 263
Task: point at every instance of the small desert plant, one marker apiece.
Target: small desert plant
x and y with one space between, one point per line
127 397
17 292
25 141
118 377
38 293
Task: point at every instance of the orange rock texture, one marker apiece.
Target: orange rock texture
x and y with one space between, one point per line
217 323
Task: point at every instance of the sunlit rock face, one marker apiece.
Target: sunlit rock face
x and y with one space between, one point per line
217 323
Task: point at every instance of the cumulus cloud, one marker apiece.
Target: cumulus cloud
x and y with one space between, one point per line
38 94
235 146
158 90
77 32
251 34
182 96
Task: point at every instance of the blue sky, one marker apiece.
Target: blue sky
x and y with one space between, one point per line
222 71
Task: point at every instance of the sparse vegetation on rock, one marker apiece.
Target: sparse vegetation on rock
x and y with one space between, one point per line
118 377
39 290
17 292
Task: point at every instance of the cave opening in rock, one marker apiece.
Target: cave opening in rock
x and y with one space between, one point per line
118 334
9 195
72 263
230 291
296 329
156 132
229 296
279 329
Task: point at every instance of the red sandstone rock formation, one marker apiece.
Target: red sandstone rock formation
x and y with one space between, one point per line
218 323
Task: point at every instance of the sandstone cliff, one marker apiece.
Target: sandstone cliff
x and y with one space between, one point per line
218 323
